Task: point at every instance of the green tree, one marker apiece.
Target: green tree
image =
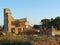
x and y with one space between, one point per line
57 22
36 26
45 22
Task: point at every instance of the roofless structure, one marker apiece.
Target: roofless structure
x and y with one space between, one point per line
15 25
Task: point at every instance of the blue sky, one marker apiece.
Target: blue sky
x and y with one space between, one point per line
33 10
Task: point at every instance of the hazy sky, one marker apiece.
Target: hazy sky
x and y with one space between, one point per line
33 10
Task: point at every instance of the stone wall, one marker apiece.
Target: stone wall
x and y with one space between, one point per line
55 31
8 26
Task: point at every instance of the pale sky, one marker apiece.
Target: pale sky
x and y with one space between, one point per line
33 10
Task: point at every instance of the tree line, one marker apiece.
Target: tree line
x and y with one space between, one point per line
55 22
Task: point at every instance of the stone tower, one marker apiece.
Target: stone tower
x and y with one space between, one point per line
7 18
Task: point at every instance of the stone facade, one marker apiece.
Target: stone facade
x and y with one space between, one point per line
15 25
55 31
52 31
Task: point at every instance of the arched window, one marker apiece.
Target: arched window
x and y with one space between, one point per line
13 30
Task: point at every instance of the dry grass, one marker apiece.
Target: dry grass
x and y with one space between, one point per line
29 39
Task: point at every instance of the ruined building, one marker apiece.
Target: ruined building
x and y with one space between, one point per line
51 31
55 31
15 25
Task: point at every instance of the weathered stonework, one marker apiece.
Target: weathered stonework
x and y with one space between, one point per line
15 25
55 31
